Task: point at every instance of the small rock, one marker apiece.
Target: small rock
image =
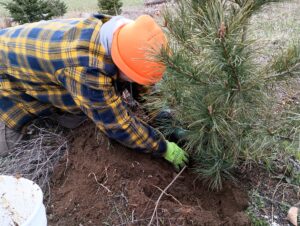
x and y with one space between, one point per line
292 215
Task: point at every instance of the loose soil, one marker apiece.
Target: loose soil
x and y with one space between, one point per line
101 182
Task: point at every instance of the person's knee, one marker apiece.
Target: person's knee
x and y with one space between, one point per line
8 139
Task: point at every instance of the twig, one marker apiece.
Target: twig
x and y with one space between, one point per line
146 219
132 216
106 175
272 201
35 158
289 71
168 194
161 195
273 198
99 182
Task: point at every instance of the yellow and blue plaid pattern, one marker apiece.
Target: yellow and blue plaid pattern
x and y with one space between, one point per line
61 64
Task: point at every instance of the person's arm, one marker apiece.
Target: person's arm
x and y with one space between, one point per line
96 96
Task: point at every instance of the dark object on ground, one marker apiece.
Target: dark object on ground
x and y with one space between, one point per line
153 2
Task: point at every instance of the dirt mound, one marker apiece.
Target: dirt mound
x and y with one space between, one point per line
103 183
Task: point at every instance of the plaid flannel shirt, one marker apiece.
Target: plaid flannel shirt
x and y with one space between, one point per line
61 64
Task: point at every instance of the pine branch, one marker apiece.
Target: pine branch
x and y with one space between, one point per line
285 65
231 66
252 7
215 90
257 4
293 71
25 11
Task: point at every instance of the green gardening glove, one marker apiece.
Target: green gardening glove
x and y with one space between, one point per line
176 156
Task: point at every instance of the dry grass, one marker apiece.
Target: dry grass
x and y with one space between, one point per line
35 157
276 26
6 22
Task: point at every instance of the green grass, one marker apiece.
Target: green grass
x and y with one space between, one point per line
276 26
84 5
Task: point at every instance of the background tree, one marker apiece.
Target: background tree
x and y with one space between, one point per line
218 94
111 7
27 11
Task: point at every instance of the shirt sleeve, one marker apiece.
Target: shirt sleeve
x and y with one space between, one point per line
95 94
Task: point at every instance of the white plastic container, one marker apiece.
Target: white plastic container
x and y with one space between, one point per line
21 202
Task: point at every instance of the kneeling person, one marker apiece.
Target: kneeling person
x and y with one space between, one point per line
73 65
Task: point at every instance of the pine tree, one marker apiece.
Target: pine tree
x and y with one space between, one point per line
216 91
27 11
111 7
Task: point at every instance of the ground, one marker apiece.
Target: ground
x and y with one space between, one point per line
100 182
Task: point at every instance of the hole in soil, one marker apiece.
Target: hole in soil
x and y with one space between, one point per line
149 192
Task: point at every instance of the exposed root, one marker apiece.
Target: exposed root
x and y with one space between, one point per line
167 194
101 184
161 195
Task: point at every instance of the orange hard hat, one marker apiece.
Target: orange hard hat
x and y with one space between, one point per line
133 48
